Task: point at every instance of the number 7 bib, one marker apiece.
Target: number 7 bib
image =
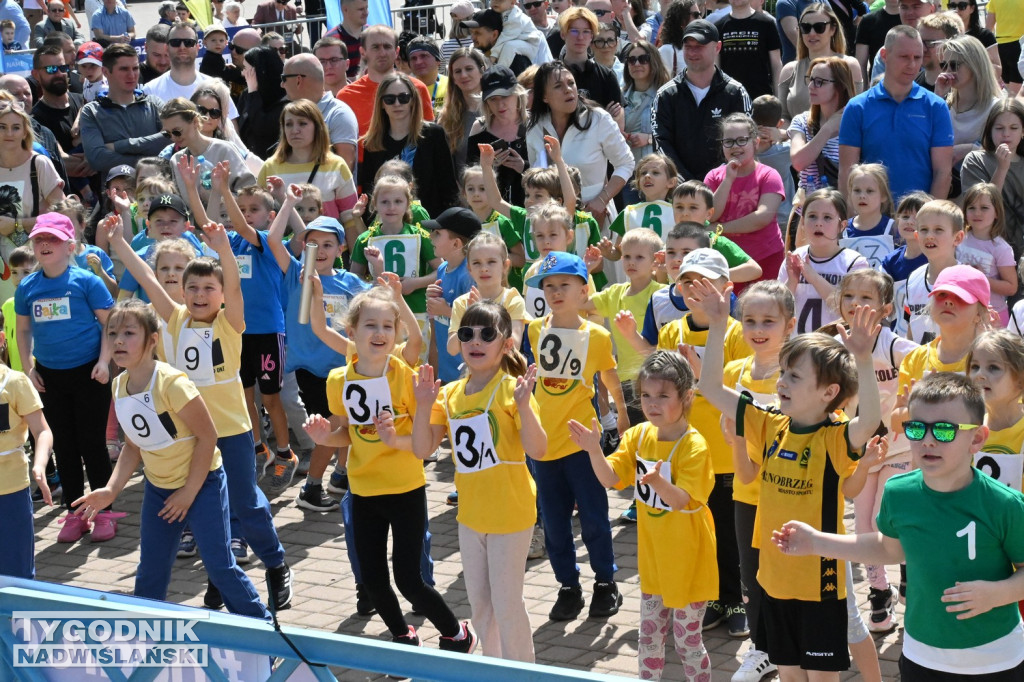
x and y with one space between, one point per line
562 353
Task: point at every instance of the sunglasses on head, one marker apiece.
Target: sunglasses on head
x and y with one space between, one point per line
212 113
944 432
57 68
487 334
817 26
639 59
958 6
178 42
401 98
949 66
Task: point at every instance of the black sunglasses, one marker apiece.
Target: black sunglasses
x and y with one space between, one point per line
57 68
601 12
402 98
639 59
817 26
487 334
949 66
286 76
238 50
958 6
178 42
176 133
212 113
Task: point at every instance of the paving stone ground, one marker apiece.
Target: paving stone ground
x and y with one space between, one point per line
325 592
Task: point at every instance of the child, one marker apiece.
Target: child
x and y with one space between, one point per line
90 66
983 246
907 257
491 419
551 231
999 159
7 30
373 395
694 202
311 203
86 255
961 620
773 147
868 189
667 462
120 182
995 364
169 430
569 352
747 195
215 40
654 178
940 230
56 303
751 47
474 192
22 263
812 271
803 455
147 191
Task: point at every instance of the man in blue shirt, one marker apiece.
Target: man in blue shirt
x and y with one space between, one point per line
900 124
113 24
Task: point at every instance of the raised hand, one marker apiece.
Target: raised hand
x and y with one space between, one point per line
554 149
219 177
689 353
391 281
216 236
859 335
360 208
114 227
584 438
385 425
122 202
705 297
795 538
874 452
474 296
592 258
625 323
374 259
318 428
424 387
486 155
524 388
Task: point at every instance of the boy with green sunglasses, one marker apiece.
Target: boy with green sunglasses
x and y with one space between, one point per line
961 534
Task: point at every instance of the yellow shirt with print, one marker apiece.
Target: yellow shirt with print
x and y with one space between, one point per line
703 416
168 467
10 318
1008 441
503 498
18 399
802 472
563 399
736 373
676 548
373 467
510 299
924 360
615 299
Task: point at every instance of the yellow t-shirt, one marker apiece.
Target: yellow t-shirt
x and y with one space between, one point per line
375 468
703 415
10 332
569 395
150 420
536 306
210 355
496 492
510 299
18 398
802 472
1009 20
924 360
609 303
763 391
1007 446
676 548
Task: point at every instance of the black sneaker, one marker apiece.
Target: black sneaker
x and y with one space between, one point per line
462 646
364 607
279 584
606 600
883 609
409 639
212 599
736 619
714 615
609 442
568 605
903 582
313 498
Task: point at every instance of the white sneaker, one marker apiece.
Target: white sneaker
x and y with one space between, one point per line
755 665
537 550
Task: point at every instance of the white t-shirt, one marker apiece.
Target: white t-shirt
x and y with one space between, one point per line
167 89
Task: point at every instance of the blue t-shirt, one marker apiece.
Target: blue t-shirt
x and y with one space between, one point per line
65 331
131 285
922 121
82 260
305 350
899 267
876 231
453 284
261 285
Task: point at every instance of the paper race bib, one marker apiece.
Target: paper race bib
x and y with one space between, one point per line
562 353
244 266
492 228
366 398
1007 469
195 355
401 253
581 234
472 444
645 493
530 244
335 307
873 247
138 417
52 309
536 304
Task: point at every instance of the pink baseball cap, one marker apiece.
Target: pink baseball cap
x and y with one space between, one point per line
965 282
57 224
90 53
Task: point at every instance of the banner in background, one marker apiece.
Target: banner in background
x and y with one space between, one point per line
18 63
379 13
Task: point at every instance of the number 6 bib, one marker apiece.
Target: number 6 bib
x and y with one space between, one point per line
401 253
562 353
138 417
195 354
366 398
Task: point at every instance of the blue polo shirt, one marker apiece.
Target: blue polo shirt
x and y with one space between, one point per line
119 22
454 283
899 135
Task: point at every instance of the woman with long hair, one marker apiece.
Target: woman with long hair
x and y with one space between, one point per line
462 104
503 126
211 100
397 130
259 108
644 75
670 37
967 10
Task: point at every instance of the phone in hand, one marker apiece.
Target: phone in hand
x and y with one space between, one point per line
499 145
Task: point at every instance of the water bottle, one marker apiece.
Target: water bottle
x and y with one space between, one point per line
205 172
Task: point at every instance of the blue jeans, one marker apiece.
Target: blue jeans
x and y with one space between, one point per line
560 484
208 515
18 558
426 561
250 510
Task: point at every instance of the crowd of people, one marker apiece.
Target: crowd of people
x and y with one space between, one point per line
749 265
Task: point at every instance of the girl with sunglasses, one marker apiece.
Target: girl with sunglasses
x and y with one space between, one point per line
995 364
644 75
211 100
492 420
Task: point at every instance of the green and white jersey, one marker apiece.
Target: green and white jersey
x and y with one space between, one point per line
656 215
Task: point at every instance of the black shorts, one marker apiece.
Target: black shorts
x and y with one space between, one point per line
1009 53
262 362
807 634
313 390
912 672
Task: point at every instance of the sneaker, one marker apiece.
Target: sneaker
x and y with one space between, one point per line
903 578
313 498
452 499
629 516
736 620
462 646
262 460
284 472
212 599
755 665
338 483
364 607
74 528
714 615
568 605
609 442
55 489
537 550
883 608
410 639
304 459
606 600
187 545
279 584
240 548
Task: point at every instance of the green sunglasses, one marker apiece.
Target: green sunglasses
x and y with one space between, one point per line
944 432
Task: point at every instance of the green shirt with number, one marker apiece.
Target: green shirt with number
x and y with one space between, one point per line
397 259
656 215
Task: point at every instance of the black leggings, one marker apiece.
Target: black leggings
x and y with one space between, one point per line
750 560
405 515
723 511
76 408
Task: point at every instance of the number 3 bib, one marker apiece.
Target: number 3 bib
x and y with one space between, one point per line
562 353
138 417
366 398
472 441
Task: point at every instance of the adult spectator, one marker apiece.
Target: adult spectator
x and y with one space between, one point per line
967 10
18 88
935 29
350 30
211 102
485 28
820 36
276 11
606 49
10 9
233 15
787 19
465 71
333 58
54 22
168 13
243 41
425 62
871 32
678 16
537 10
503 126
182 79
920 156
397 130
378 50
67 47
589 136
911 13
751 52
303 78
645 74
1006 20
123 125
58 109
458 35
261 105
687 111
814 134
594 82
112 24
158 54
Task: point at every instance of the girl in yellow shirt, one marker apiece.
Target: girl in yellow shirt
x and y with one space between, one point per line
995 364
667 462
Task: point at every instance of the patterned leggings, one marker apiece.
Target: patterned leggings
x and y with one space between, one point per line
655 620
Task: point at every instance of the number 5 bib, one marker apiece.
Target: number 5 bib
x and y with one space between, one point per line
366 398
562 353
138 417
472 440
401 253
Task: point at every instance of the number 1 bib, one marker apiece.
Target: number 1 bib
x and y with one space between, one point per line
138 417
401 253
472 441
562 353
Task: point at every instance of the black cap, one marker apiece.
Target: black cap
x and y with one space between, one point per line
498 81
457 220
702 31
487 18
422 44
171 201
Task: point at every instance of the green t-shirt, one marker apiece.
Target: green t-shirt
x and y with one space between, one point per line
419 214
408 254
976 533
587 233
610 303
502 227
734 255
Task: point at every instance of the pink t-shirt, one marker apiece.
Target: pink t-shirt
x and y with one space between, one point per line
743 200
987 256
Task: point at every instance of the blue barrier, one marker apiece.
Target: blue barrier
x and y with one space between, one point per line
238 634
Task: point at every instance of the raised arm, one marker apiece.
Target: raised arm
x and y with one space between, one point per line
238 221
715 305
554 149
860 340
234 306
426 437
188 172
494 199
163 304
277 228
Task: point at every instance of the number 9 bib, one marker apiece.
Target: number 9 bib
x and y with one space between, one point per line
536 304
138 417
366 398
195 355
562 353
1007 469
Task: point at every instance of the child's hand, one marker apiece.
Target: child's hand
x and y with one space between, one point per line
436 305
435 290
863 329
486 155
114 227
188 170
424 387
606 247
732 170
219 177
374 259
625 323
689 354
994 321
874 452
972 598
554 149
524 388
94 263
391 281
122 203
318 428
176 506
385 425
88 506
474 296
655 480
39 475
293 194
216 236
592 258
1003 156
584 438
794 267
100 372
622 421
795 538
711 301
360 208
